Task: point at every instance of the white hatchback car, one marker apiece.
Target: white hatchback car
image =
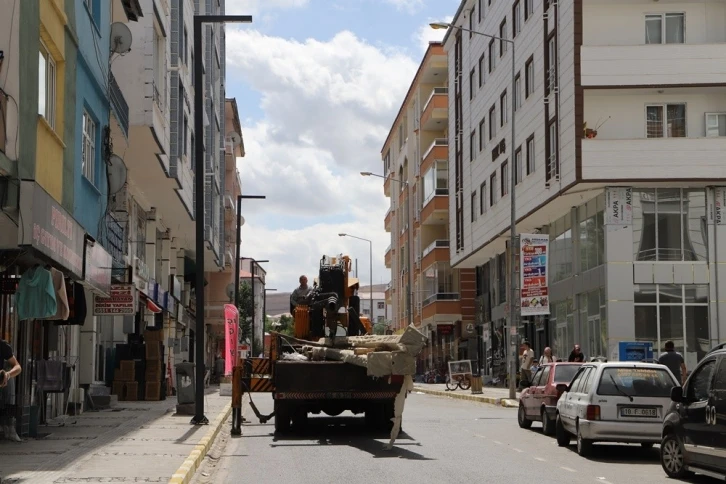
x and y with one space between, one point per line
614 402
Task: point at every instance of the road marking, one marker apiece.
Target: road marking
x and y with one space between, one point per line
568 469
540 459
497 442
480 436
602 479
517 450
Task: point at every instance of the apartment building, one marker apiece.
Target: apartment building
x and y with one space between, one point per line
425 290
618 156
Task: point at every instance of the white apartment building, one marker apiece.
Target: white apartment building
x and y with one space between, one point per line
381 311
619 154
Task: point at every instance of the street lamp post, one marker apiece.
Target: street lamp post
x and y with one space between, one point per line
370 275
511 319
239 243
199 170
409 299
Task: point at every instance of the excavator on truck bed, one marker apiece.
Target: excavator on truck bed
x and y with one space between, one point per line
333 363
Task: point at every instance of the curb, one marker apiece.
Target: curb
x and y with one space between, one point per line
186 471
504 402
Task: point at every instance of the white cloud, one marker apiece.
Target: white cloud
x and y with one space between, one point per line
426 34
410 6
251 7
328 106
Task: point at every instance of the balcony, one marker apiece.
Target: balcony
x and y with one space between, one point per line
665 158
435 209
435 113
437 251
442 306
387 257
387 221
387 185
653 65
388 294
437 150
119 105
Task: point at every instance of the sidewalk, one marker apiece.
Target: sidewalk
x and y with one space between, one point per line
133 442
491 395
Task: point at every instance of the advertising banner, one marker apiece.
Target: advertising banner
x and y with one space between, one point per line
231 337
122 301
619 206
719 205
534 294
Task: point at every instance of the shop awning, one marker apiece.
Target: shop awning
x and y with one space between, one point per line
152 306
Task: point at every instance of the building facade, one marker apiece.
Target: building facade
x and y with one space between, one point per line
425 290
381 312
620 167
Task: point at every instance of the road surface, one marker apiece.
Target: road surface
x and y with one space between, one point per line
443 441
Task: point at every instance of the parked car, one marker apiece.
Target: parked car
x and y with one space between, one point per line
614 402
694 429
538 402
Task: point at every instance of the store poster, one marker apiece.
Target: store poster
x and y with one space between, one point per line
534 293
231 337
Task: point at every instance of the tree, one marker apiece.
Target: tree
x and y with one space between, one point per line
379 328
284 325
246 307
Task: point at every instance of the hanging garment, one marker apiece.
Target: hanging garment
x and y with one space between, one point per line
61 296
36 296
76 305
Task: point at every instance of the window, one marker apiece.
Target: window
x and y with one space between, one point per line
482 198
88 148
471 22
529 78
669 225
481 70
530 155
493 189
473 206
481 134
666 28
381 305
673 312
435 181
192 147
699 388
186 134
503 108
636 382
492 56
492 121
46 85
518 165
192 64
592 238
472 145
502 35
159 85
551 80
715 124
528 9
505 178
471 83
185 47
553 166
517 91
561 249
481 10
516 19
666 121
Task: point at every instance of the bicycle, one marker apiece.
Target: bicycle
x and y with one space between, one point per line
459 381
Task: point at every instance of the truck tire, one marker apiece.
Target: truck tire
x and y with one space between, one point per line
379 416
282 417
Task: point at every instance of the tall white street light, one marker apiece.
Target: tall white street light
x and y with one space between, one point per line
370 275
409 292
511 318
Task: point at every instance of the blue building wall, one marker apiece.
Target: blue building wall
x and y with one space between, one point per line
93 27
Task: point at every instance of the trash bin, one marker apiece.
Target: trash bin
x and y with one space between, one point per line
185 383
476 384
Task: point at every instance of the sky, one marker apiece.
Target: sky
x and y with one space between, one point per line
318 84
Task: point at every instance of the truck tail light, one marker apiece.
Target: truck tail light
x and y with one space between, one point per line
593 412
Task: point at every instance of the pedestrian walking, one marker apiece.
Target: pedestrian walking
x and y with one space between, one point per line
546 357
674 361
576 355
526 360
10 369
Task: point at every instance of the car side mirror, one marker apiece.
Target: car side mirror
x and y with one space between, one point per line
677 394
562 387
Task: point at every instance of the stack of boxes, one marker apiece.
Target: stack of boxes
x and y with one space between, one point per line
154 364
125 385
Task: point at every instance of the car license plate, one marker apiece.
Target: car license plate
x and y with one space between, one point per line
639 412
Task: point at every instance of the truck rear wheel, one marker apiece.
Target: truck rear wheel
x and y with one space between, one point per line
282 417
379 416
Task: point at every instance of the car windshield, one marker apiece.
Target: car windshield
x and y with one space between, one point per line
565 373
636 382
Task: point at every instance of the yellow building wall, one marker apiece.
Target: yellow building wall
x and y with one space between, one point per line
50 146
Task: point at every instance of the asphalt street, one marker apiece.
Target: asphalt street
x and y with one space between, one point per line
443 441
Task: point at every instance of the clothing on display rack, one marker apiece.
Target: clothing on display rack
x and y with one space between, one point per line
36 296
61 295
76 297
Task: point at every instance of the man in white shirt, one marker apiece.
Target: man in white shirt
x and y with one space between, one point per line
525 362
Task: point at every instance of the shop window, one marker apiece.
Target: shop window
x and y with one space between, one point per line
593 327
674 312
562 328
669 225
592 242
561 249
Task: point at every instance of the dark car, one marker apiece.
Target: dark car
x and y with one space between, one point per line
694 429
538 402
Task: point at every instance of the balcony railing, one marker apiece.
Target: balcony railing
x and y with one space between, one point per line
436 244
437 90
112 239
441 296
436 193
388 249
436 142
119 105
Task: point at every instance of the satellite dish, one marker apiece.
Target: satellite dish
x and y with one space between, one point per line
230 291
120 38
117 174
241 220
234 138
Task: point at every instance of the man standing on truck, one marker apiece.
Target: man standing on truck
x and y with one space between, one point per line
300 294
